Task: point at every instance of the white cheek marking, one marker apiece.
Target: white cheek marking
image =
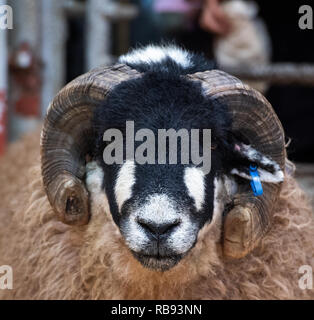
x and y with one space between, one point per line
155 54
125 182
194 181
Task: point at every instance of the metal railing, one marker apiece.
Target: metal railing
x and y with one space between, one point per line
276 73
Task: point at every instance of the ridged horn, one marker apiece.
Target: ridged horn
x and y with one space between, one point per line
255 119
66 139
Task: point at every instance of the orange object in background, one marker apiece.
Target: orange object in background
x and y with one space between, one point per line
28 104
3 129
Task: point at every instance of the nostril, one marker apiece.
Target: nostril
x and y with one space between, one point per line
158 229
167 227
146 226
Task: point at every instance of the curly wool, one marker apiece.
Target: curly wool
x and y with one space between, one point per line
51 260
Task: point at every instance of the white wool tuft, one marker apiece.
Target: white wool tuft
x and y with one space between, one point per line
156 54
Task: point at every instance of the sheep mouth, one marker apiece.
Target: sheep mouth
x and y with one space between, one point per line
157 262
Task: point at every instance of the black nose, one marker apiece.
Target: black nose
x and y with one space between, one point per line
158 229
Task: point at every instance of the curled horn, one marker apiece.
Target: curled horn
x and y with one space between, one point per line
255 119
67 137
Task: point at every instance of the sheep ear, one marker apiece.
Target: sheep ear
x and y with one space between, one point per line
268 169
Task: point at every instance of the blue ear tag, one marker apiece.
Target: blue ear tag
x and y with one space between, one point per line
255 183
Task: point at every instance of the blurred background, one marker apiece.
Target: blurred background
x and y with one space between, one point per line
50 42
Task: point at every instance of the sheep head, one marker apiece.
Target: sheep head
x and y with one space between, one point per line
69 134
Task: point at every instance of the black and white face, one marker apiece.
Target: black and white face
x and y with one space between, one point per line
159 209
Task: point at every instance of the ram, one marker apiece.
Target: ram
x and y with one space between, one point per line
75 227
